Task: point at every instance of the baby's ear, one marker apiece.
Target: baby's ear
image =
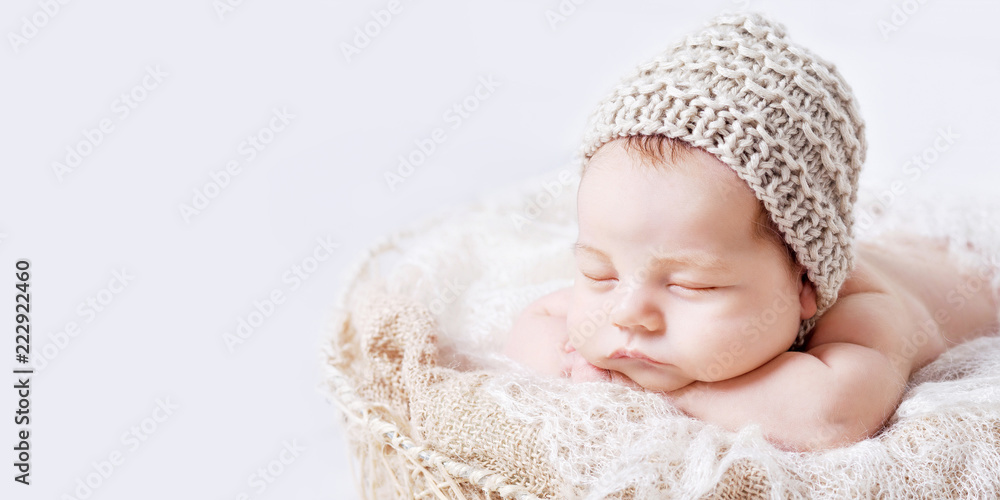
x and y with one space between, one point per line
807 297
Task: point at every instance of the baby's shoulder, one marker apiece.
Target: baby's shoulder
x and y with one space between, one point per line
870 318
894 324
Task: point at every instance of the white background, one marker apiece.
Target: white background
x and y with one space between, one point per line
162 337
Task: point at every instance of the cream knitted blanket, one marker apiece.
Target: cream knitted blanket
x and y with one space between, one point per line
425 342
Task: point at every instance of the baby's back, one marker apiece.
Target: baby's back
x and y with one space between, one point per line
947 304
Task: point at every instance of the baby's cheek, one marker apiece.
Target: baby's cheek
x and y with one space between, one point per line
572 320
578 334
585 318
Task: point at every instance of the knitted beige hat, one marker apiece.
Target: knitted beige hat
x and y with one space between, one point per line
777 114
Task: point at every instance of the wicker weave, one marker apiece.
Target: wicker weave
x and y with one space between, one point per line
376 416
419 430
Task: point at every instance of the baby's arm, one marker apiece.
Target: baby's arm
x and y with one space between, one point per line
834 394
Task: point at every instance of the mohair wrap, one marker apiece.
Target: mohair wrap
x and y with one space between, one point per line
782 118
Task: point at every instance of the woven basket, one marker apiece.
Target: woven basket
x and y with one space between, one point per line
391 460
378 437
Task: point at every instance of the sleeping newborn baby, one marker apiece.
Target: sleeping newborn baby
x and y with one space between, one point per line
715 262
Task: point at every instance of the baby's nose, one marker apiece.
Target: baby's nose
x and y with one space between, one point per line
637 311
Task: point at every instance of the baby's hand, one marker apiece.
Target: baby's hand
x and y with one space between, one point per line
539 334
539 340
579 370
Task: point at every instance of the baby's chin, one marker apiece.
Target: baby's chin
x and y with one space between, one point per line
664 384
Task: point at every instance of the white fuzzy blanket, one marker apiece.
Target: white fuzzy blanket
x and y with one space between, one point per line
477 269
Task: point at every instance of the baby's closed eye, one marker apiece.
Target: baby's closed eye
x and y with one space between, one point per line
694 288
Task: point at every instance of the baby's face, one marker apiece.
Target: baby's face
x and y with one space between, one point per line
717 304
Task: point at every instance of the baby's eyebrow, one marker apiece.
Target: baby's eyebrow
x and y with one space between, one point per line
701 260
578 247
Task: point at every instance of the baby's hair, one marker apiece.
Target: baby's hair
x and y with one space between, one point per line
662 150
